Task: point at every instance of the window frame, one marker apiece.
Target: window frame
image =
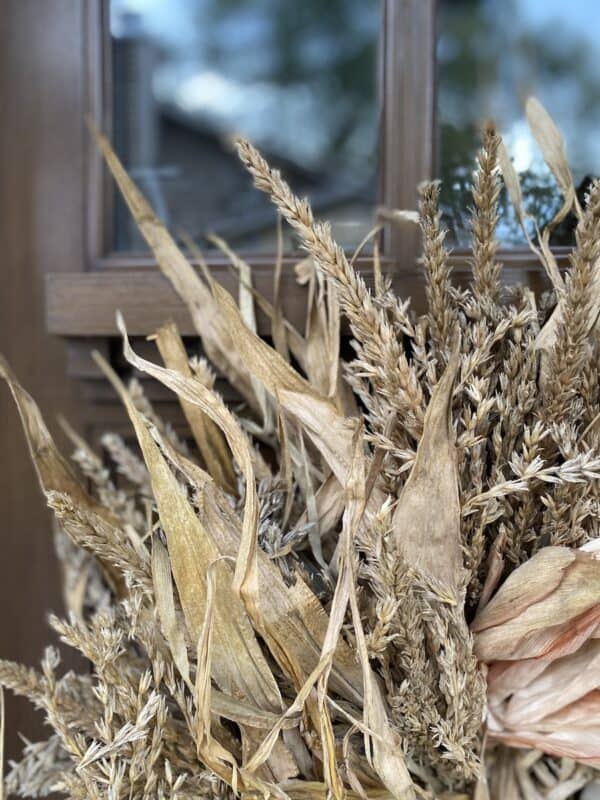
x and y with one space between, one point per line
407 121
412 124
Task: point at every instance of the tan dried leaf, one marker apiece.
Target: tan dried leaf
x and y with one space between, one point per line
511 181
210 440
53 471
165 605
426 522
212 328
552 146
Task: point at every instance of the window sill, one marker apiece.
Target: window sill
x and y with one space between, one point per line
83 304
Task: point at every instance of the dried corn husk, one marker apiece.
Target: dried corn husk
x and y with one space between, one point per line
539 635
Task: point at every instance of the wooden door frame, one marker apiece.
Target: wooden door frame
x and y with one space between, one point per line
41 230
83 304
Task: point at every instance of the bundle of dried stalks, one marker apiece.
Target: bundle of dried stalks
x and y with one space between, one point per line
375 579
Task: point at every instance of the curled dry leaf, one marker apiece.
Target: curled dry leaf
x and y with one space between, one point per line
543 251
511 181
248 313
239 666
54 473
398 215
552 146
211 442
291 620
532 613
216 339
329 431
172 627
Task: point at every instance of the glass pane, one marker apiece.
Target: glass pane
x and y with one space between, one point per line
491 57
297 79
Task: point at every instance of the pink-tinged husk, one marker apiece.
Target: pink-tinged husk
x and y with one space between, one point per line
540 636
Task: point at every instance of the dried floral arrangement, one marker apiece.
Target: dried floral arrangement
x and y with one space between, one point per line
376 578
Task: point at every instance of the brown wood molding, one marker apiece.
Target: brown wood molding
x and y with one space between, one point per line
84 304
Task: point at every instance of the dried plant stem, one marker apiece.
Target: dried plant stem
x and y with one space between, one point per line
572 348
486 189
442 313
380 354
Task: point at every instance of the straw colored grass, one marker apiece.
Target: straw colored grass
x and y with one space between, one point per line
371 579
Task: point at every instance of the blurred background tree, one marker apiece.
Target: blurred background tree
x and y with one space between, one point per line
490 57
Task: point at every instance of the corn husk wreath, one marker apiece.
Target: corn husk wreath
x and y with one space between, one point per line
374 579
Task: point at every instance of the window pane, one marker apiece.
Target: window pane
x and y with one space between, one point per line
491 57
297 79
